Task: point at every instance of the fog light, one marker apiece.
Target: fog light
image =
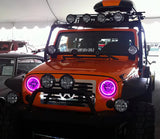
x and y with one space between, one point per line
12 98
120 105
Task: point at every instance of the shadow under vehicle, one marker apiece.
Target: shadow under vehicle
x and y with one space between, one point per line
97 80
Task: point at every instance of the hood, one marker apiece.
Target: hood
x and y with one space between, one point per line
104 67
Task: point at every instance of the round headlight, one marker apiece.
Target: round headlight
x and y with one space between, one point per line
118 17
67 82
86 18
12 98
71 18
108 88
32 83
120 105
47 81
101 18
132 50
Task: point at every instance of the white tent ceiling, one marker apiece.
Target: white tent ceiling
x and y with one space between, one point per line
32 13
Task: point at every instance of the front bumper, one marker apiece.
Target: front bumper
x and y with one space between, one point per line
70 124
50 116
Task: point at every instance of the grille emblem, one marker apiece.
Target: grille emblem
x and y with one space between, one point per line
66 96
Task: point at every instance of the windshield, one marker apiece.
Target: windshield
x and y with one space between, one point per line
109 42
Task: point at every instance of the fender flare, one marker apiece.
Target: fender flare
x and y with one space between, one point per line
134 88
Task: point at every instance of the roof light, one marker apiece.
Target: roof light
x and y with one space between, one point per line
101 18
118 17
71 18
86 18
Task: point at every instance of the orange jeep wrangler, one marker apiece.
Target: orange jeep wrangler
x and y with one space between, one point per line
96 80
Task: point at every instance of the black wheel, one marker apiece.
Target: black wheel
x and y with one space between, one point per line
142 126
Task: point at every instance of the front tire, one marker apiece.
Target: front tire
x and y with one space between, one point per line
142 126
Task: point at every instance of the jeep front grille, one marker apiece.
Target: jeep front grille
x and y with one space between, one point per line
74 97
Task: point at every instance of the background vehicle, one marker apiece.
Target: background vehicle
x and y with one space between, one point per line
12 65
85 85
7 46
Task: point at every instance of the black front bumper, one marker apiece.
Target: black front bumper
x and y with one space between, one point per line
72 124
50 116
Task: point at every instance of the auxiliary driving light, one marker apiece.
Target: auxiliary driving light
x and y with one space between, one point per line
47 81
32 83
101 18
120 105
108 88
132 50
118 17
71 18
67 82
86 18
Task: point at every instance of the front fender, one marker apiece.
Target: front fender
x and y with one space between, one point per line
15 83
134 88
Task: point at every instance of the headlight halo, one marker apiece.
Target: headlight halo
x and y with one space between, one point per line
47 81
108 88
32 83
67 82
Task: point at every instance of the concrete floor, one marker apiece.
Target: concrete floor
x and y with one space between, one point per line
156 94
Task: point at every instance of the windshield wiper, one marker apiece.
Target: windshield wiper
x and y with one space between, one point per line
72 56
74 53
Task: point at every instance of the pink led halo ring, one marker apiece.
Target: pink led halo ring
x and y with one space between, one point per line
32 83
108 88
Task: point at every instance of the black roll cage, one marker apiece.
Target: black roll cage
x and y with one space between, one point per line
129 24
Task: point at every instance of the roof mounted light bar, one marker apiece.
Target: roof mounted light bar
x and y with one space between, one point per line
104 17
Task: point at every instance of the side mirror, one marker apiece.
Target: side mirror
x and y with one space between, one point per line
153 62
51 50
